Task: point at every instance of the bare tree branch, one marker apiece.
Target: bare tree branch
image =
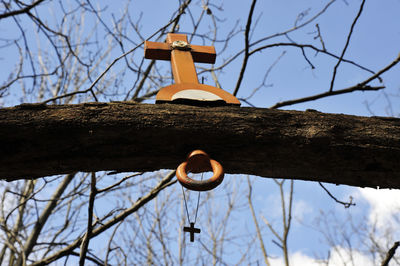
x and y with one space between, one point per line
390 254
90 88
253 214
164 183
54 200
26 9
319 36
88 234
345 204
354 88
361 147
346 45
246 47
309 46
362 86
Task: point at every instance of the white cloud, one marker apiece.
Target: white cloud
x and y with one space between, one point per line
295 259
384 204
339 257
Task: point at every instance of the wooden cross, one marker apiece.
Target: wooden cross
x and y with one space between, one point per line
183 56
191 230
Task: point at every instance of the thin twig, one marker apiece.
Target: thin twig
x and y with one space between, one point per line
141 84
323 10
86 238
118 183
319 36
287 224
345 204
266 76
306 58
232 58
52 204
109 249
259 235
326 94
246 47
12 235
362 86
346 45
316 49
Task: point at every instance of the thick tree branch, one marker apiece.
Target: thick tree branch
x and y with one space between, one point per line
39 140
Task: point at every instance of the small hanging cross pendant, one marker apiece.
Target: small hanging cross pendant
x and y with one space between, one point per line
192 230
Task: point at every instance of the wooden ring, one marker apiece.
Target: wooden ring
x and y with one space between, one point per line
197 162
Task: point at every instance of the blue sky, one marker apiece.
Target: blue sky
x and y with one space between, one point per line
374 44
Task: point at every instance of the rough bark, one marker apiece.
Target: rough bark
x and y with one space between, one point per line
39 140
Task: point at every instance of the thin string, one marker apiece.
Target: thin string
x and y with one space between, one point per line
186 207
184 199
198 200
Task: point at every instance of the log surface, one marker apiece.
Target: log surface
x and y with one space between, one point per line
40 140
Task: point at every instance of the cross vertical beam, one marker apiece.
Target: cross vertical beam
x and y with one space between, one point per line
182 61
192 230
182 58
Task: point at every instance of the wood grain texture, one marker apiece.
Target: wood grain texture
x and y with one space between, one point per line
38 140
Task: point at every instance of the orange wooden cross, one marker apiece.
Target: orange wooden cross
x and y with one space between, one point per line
183 56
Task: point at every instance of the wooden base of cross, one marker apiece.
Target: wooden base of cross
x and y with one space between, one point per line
192 230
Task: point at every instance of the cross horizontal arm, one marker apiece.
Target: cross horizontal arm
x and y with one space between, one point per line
162 51
40 140
190 229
